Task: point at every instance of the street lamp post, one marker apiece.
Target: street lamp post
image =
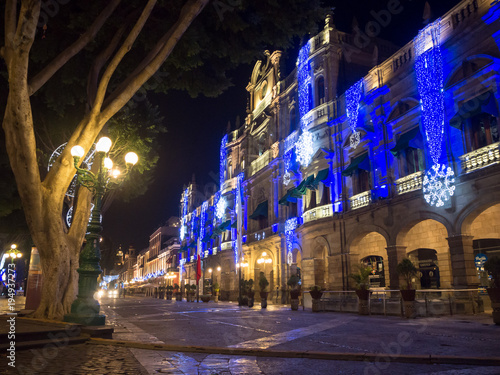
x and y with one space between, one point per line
13 253
85 309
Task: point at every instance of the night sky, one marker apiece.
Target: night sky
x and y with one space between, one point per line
196 126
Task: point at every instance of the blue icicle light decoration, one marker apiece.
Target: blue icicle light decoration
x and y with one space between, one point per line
223 157
438 183
304 144
290 226
352 98
303 78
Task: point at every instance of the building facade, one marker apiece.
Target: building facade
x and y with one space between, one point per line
365 154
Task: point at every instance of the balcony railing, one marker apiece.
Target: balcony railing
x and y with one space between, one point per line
361 200
229 185
409 183
259 163
318 213
481 158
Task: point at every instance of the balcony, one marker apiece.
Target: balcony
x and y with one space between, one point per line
259 163
259 235
228 245
409 183
481 158
361 200
228 185
318 213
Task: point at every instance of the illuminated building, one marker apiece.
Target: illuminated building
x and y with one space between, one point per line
335 157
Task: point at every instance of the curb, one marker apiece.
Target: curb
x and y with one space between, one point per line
334 356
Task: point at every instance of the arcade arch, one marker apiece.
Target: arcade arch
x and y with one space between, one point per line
370 249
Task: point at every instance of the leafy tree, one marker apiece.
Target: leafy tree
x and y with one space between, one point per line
120 46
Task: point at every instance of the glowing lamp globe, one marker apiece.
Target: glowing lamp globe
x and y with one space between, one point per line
77 151
103 145
115 173
108 163
19 255
131 158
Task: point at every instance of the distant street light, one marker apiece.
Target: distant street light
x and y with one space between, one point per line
85 309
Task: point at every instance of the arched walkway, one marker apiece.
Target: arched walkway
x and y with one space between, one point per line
366 249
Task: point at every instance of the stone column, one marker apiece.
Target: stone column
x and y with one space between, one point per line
463 269
307 273
395 253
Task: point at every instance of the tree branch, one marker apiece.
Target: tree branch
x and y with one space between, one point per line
42 77
10 26
122 51
187 15
99 63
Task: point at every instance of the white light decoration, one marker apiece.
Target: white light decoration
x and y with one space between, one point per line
355 139
438 185
290 226
352 98
287 178
304 148
438 181
220 208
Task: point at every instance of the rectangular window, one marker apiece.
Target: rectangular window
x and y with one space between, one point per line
361 181
480 131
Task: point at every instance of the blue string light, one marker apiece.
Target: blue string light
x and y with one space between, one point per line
290 226
429 72
352 99
303 69
223 157
438 182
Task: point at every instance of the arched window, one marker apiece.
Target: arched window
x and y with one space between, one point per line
320 90
293 121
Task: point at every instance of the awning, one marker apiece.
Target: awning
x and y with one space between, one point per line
192 244
260 211
287 198
413 138
183 248
301 189
207 238
361 162
482 103
310 183
322 176
224 226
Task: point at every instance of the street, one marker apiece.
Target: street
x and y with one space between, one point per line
277 327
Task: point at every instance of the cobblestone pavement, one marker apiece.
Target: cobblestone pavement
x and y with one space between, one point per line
83 359
149 320
225 324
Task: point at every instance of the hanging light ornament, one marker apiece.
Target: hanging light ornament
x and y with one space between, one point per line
304 144
290 226
223 160
352 99
438 183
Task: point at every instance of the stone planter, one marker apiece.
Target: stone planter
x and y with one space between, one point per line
169 296
294 299
178 296
263 299
363 296
494 294
315 305
216 297
206 297
408 296
251 298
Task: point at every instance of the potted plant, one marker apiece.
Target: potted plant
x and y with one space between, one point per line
263 283
316 292
170 292
250 292
492 266
293 283
407 270
362 281
178 294
216 289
